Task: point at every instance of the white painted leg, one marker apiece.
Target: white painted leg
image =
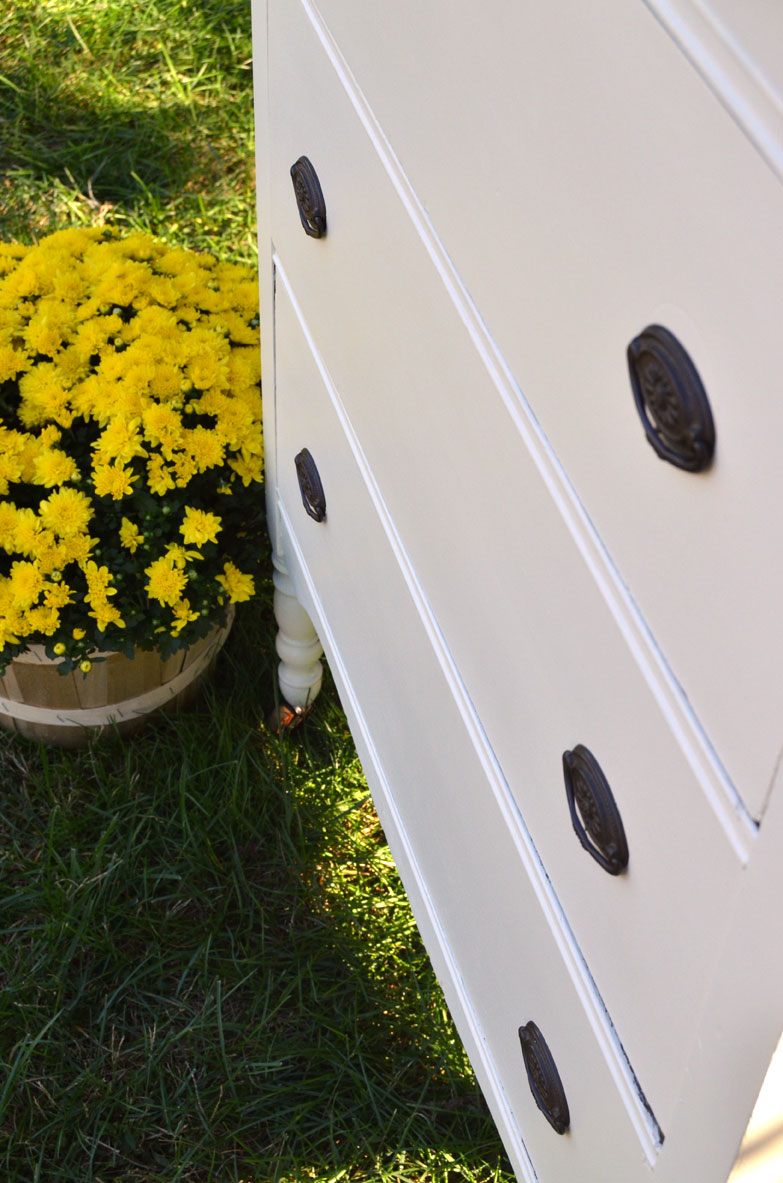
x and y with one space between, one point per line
300 672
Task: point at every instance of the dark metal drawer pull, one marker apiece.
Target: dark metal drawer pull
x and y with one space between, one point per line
594 813
309 197
543 1078
671 400
310 486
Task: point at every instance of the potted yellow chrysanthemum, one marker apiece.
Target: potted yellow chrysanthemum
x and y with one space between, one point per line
131 457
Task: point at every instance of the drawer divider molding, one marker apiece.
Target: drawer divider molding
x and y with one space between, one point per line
729 71
738 825
629 1087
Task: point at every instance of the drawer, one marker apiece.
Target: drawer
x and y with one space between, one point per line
535 635
502 930
576 215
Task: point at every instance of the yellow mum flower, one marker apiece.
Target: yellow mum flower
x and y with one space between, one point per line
42 620
54 467
178 556
200 526
57 595
120 441
26 584
44 395
113 480
48 327
244 366
98 581
66 512
183 614
130 535
27 532
10 470
249 470
239 587
163 425
184 468
105 614
159 476
206 448
12 362
8 518
166 582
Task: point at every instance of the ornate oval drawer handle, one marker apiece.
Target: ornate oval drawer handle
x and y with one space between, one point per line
309 197
543 1078
310 486
671 400
594 813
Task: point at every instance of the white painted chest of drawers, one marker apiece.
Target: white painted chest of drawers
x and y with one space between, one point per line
490 204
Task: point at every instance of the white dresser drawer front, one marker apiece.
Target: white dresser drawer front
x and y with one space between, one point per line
502 931
508 586
580 205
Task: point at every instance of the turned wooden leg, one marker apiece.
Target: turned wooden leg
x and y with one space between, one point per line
300 672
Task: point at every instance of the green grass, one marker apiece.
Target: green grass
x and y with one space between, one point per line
136 113
208 967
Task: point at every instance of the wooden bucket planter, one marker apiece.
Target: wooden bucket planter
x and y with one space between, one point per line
119 692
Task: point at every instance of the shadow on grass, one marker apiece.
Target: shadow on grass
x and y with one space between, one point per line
209 970
115 153
140 113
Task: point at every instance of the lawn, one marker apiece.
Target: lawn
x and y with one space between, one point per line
209 970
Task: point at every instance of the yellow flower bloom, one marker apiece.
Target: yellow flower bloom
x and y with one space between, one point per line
200 526
42 620
66 512
98 581
130 535
113 480
159 476
105 614
8 518
249 470
178 556
54 467
183 614
162 425
120 441
44 392
239 587
78 634
27 532
205 447
26 584
57 595
12 362
166 582
184 468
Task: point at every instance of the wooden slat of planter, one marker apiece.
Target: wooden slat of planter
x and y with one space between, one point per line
127 678
43 685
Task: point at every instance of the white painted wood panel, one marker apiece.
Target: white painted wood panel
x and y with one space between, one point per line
491 901
589 185
737 47
537 642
